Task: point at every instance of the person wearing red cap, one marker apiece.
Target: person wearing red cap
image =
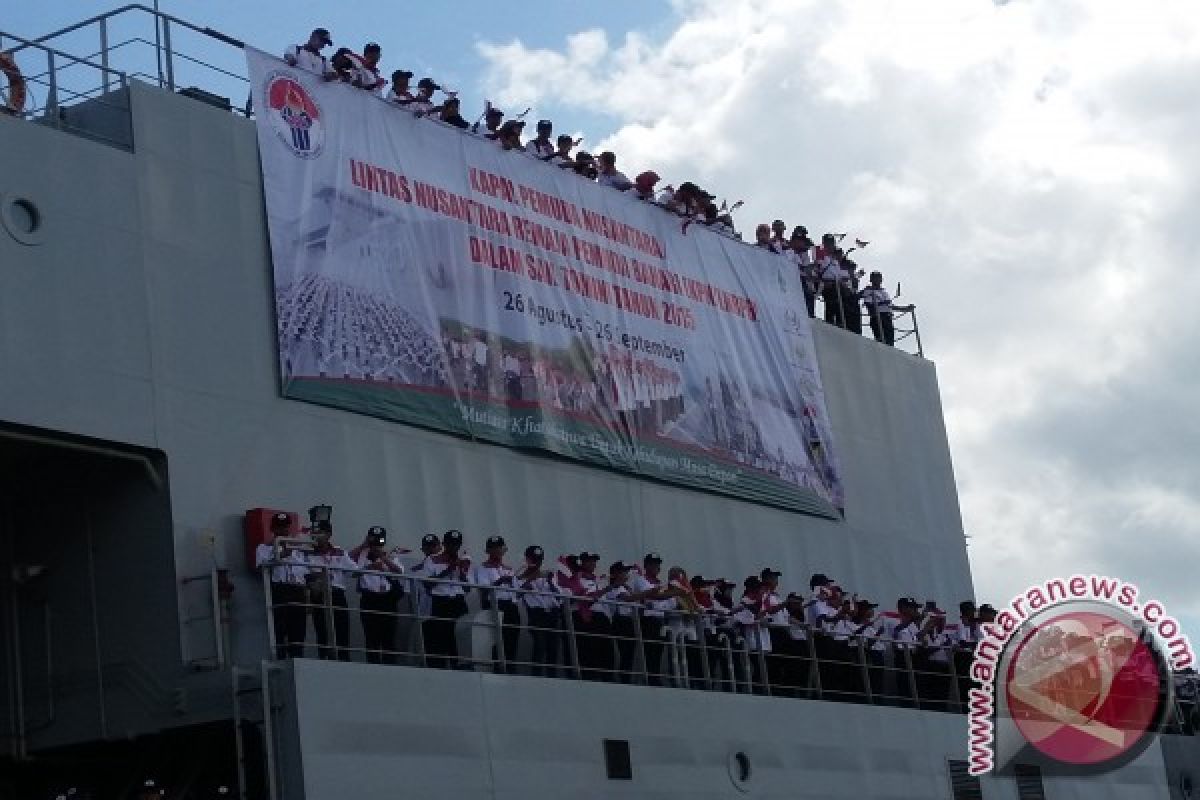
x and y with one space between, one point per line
643 185
287 573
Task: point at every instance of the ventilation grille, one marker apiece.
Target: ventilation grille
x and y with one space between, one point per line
616 760
963 785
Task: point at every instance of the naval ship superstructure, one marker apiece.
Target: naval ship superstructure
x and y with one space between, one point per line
141 418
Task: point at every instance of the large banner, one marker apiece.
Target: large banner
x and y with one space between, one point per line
427 276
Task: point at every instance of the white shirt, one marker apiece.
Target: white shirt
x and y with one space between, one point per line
300 57
756 636
615 179
375 583
487 574
420 105
403 99
421 592
435 566
540 149
905 635
877 299
480 350
654 608
938 642
332 558
607 606
547 589
290 570
781 617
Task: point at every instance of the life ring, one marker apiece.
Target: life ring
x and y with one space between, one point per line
14 102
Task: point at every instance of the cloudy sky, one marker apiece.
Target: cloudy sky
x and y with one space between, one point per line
1029 170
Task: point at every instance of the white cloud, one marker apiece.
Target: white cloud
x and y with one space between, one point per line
1027 169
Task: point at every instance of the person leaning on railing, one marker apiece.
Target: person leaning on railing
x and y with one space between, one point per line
543 610
493 576
286 570
327 590
308 56
450 567
378 596
650 590
612 617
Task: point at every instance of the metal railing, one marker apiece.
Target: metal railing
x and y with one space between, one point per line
568 637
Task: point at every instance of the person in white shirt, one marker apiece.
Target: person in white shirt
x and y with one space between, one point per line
541 146
422 603
543 610
613 616
562 157
778 228
368 76
799 645
400 93
933 680
423 102
609 175
751 619
326 577
286 571
868 630
378 596
308 56
904 634
493 572
799 252
879 310
777 622
492 118
965 637
450 569
649 589
512 375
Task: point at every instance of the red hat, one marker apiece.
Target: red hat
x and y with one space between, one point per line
646 180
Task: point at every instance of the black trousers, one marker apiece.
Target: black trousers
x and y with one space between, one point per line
933 683
719 676
441 645
833 306
625 637
510 630
778 662
876 671
852 310
810 300
377 614
881 326
962 668
652 642
341 626
546 631
287 611
591 642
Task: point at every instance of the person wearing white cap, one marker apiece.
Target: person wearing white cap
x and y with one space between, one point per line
933 679
493 572
450 568
750 616
287 576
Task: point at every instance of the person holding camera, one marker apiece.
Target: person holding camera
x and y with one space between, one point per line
451 568
905 635
541 146
542 610
378 596
493 572
585 165
933 680
287 572
327 587
650 590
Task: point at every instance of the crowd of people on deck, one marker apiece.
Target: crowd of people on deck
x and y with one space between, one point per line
577 615
826 270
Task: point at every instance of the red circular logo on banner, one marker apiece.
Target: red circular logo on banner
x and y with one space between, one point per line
1084 688
294 115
